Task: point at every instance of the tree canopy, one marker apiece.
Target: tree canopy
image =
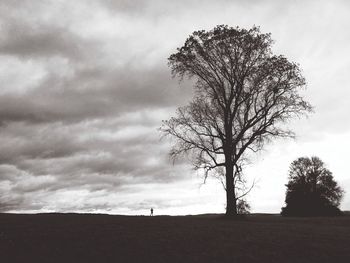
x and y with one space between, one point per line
311 189
243 96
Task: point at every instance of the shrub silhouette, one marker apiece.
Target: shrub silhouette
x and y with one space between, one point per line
311 190
243 207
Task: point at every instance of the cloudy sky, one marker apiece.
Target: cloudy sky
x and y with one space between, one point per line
85 85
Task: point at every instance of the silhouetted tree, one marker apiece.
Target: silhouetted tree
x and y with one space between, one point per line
311 189
243 93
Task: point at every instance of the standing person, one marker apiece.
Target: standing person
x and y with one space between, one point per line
151 211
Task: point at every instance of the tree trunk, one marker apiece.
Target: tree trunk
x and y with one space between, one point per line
231 206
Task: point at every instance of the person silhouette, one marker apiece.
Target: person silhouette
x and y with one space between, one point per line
151 212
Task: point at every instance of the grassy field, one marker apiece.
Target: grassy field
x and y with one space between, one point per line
208 238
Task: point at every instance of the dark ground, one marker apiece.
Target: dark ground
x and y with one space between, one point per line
208 238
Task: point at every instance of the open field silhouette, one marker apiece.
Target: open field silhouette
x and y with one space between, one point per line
202 238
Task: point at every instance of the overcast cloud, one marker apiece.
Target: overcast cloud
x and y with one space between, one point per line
85 85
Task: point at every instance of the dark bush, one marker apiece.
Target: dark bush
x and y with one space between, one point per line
311 190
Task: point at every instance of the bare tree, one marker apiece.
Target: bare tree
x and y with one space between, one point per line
243 96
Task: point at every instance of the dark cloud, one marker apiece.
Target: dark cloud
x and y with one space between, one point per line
93 94
99 155
39 41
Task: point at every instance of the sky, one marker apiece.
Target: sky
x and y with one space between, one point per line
85 86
